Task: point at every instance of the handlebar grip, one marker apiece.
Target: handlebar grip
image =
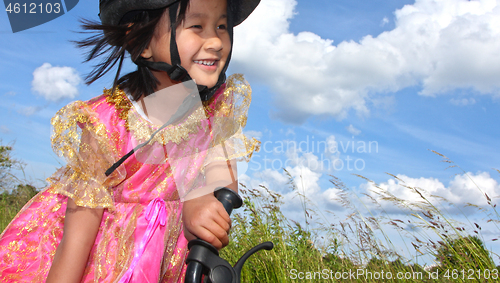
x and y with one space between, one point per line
229 199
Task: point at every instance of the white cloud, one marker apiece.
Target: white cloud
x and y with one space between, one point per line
55 83
316 155
384 21
440 45
333 146
471 188
353 130
306 162
305 181
29 110
461 190
4 129
462 101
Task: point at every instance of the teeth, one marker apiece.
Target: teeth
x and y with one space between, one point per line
206 63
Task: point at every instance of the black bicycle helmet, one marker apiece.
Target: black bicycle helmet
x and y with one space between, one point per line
113 12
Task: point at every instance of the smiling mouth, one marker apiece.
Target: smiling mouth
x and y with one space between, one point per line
206 62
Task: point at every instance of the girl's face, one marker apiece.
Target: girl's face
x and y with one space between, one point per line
202 40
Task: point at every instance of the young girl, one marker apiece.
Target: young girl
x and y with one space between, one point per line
135 191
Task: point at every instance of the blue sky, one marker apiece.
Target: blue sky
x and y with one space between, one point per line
402 76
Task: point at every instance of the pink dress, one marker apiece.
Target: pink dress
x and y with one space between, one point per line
141 234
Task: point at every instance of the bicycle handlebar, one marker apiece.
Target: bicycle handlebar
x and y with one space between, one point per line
203 258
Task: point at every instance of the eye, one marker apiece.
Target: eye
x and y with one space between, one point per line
196 26
222 27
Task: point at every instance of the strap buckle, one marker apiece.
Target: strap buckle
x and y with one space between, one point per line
177 73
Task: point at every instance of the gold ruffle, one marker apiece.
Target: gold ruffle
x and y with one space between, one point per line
82 140
229 117
142 129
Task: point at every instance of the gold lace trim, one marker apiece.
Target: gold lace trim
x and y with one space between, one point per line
119 99
142 129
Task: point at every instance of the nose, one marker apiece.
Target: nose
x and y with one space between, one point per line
214 42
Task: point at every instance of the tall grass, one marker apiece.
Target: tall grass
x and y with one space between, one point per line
14 192
11 202
361 243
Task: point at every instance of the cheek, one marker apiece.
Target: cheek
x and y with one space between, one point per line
188 48
160 49
227 46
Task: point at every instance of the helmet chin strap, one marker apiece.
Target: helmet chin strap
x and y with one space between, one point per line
175 71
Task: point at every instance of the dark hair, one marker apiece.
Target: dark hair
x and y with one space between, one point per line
132 35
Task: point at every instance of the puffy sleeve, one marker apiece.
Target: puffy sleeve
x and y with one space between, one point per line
228 116
82 140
